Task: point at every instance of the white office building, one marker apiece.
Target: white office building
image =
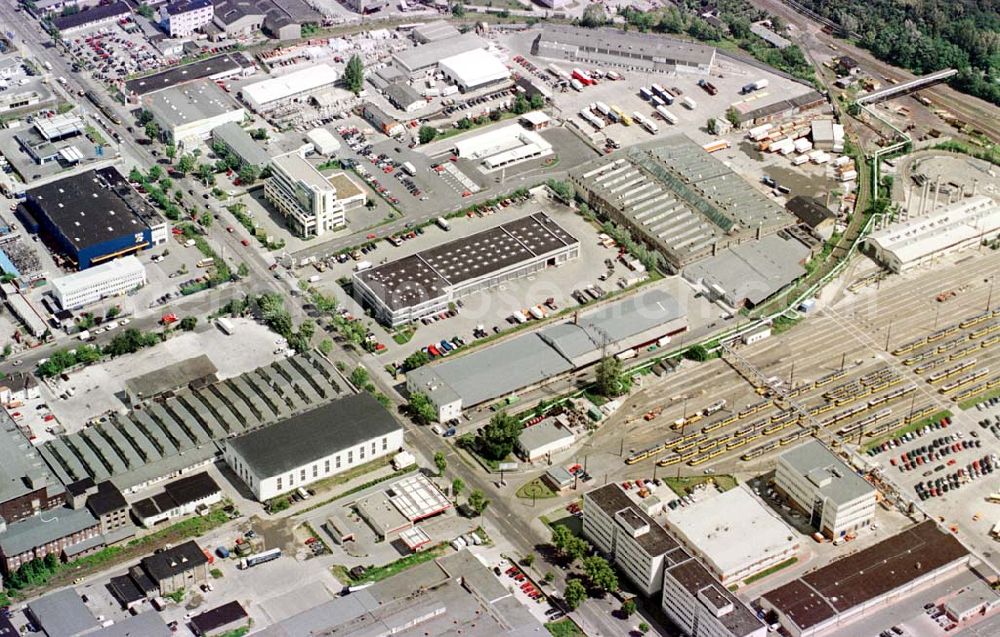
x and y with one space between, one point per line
112 278
733 534
314 445
701 606
630 539
957 226
836 500
308 200
182 18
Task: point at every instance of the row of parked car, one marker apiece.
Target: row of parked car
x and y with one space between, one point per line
935 450
909 437
953 481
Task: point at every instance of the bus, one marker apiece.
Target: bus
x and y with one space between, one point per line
204 263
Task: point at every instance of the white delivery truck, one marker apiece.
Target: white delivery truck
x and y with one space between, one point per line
409 169
225 325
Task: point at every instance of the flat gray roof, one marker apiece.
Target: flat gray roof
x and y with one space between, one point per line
148 624
191 102
535 357
63 614
427 55
543 433
628 44
754 270
22 469
315 434
239 141
831 475
434 31
44 528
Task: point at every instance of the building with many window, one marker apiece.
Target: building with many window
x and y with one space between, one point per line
182 18
310 202
313 445
113 278
833 496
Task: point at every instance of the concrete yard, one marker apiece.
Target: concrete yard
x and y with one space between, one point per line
98 389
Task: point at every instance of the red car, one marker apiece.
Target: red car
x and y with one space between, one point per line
245 242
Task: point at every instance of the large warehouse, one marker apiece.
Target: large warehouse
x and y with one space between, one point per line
629 50
425 283
474 69
424 58
112 278
533 359
314 445
284 90
679 199
95 216
830 596
960 225
186 114
214 68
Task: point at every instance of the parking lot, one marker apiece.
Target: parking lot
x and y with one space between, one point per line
115 52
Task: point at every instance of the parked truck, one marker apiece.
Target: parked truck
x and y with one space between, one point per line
409 169
708 87
443 224
225 325
260 558
753 86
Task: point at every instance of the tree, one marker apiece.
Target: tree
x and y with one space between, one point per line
427 134
712 126
521 105
576 548
308 329
733 116
145 117
354 74
248 174
170 151
499 435
458 10
359 377
478 501
698 353
185 164
561 536
562 189
152 130
146 11
421 409
440 462
206 174
155 172
206 219
609 377
325 346
188 323
600 573
528 560
457 486
643 628
593 16
628 607
415 360
575 592
537 101
243 271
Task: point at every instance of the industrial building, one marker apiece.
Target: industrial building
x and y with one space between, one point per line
502 147
434 31
412 287
194 372
814 213
404 97
184 432
313 445
401 505
957 226
837 500
53 139
678 199
181 566
310 203
112 278
733 534
545 438
62 613
181 497
829 597
285 90
382 121
652 560
630 50
72 23
187 114
422 59
94 216
181 18
750 112
323 142
533 359
221 620
746 275
219 67
236 140
473 70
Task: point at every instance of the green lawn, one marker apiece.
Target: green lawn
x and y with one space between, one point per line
379 573
403 336
564 628
905 430
681 486
774 569
535 489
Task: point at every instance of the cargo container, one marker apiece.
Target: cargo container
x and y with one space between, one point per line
849 175
800 159
602 108
689 103
760 132
583 77
802 145
712 147
646 123
645 94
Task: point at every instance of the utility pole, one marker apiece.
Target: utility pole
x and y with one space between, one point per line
843 359
989 297
888 334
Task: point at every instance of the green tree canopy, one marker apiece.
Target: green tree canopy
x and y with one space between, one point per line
354 74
